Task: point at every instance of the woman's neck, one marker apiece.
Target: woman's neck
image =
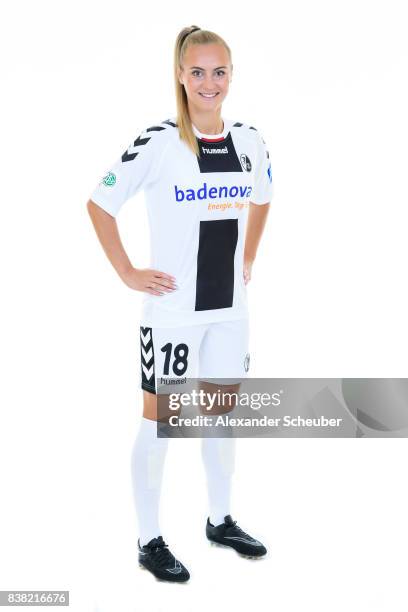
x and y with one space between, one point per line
207 123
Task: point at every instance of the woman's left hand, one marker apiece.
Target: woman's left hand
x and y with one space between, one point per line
247 270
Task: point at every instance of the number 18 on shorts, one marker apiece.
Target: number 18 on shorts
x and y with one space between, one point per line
172 356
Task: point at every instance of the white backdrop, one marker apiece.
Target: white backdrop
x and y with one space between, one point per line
325 83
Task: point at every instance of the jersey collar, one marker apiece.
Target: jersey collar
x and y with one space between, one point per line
212 137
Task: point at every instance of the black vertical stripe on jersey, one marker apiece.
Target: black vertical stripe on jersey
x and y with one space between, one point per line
218 162
215 264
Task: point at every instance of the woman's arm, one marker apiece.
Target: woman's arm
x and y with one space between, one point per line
150 281
256 222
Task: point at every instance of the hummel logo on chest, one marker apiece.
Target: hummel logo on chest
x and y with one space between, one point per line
214 150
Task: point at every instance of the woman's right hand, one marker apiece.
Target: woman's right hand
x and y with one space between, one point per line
149 281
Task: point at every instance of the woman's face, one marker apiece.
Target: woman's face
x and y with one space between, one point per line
206 70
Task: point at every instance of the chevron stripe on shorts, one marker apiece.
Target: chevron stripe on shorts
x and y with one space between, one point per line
147 359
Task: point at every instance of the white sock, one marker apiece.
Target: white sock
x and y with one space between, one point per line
147 462
219 461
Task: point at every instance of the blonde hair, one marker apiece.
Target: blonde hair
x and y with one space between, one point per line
191 35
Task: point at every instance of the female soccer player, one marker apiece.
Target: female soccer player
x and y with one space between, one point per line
207 180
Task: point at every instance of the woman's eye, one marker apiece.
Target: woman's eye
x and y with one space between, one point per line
196 73
220 72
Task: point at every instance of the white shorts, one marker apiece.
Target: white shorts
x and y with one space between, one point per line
207 351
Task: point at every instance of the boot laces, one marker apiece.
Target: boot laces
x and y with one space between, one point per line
162 554
237 529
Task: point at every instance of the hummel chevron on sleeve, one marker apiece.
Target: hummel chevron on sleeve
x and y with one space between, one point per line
130 173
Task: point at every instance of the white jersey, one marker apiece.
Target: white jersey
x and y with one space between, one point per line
197 210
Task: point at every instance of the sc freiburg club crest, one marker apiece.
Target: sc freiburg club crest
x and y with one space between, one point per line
246 162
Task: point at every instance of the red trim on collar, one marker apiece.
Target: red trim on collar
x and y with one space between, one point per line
212 139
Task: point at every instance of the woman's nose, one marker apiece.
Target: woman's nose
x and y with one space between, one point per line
209 83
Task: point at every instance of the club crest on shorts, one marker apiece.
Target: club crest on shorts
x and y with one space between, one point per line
246 362
245 162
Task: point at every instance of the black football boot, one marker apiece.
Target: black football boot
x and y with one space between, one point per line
156 557
229 534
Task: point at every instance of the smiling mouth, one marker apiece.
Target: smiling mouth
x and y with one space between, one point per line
209 96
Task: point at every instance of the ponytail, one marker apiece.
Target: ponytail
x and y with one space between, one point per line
192 35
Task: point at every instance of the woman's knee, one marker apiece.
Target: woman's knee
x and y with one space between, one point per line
224 396
157 407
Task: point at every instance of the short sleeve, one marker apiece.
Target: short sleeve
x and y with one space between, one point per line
130 173
262 186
